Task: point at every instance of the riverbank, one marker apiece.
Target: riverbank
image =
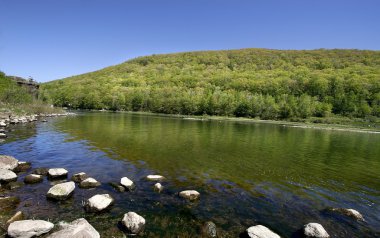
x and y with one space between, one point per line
337 123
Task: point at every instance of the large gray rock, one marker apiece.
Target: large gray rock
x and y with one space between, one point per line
157 178
2 124
57 173
7 176
98 203
8 162
89 183
33 178
260 231
79 177
127 183
79 228
133 222
190 195
29 228
350 213
315 230
61 191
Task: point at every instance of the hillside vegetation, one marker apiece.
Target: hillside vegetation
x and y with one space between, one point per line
16 100
260 83
11 93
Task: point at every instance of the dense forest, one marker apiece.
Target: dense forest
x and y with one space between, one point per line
257 83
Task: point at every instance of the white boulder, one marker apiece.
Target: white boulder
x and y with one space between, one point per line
350 212
190 195
61 191
315 230
133 222
126 182
79 228
7 175
98 203
57 172
3 135
89 183
8 162
157 178
260 231
29 228
158 187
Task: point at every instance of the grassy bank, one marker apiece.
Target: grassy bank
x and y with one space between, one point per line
17 101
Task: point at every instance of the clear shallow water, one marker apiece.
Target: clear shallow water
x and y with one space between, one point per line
247 174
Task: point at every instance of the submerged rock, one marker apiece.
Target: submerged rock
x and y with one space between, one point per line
8 162
209 229
7 203
158 187
98 203
7 176
33 178
61 191
350 213
89 183
22 166
57 173
191 195
133 222
79 228
41 171
315 230
260 231
127 183
117 187
14 185
79 177
16 217
157 178
29 228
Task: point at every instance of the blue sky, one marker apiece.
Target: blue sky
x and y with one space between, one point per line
52 39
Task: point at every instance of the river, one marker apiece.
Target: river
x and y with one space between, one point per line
247 173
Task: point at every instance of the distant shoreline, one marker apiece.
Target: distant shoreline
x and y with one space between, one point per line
310 125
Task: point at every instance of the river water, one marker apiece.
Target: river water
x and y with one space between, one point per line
247 173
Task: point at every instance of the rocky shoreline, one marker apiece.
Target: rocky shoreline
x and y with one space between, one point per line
132 223
10 119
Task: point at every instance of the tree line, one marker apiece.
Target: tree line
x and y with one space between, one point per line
268 84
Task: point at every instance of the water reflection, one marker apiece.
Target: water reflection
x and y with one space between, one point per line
247 173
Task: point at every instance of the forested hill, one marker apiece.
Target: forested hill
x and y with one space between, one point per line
269 84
